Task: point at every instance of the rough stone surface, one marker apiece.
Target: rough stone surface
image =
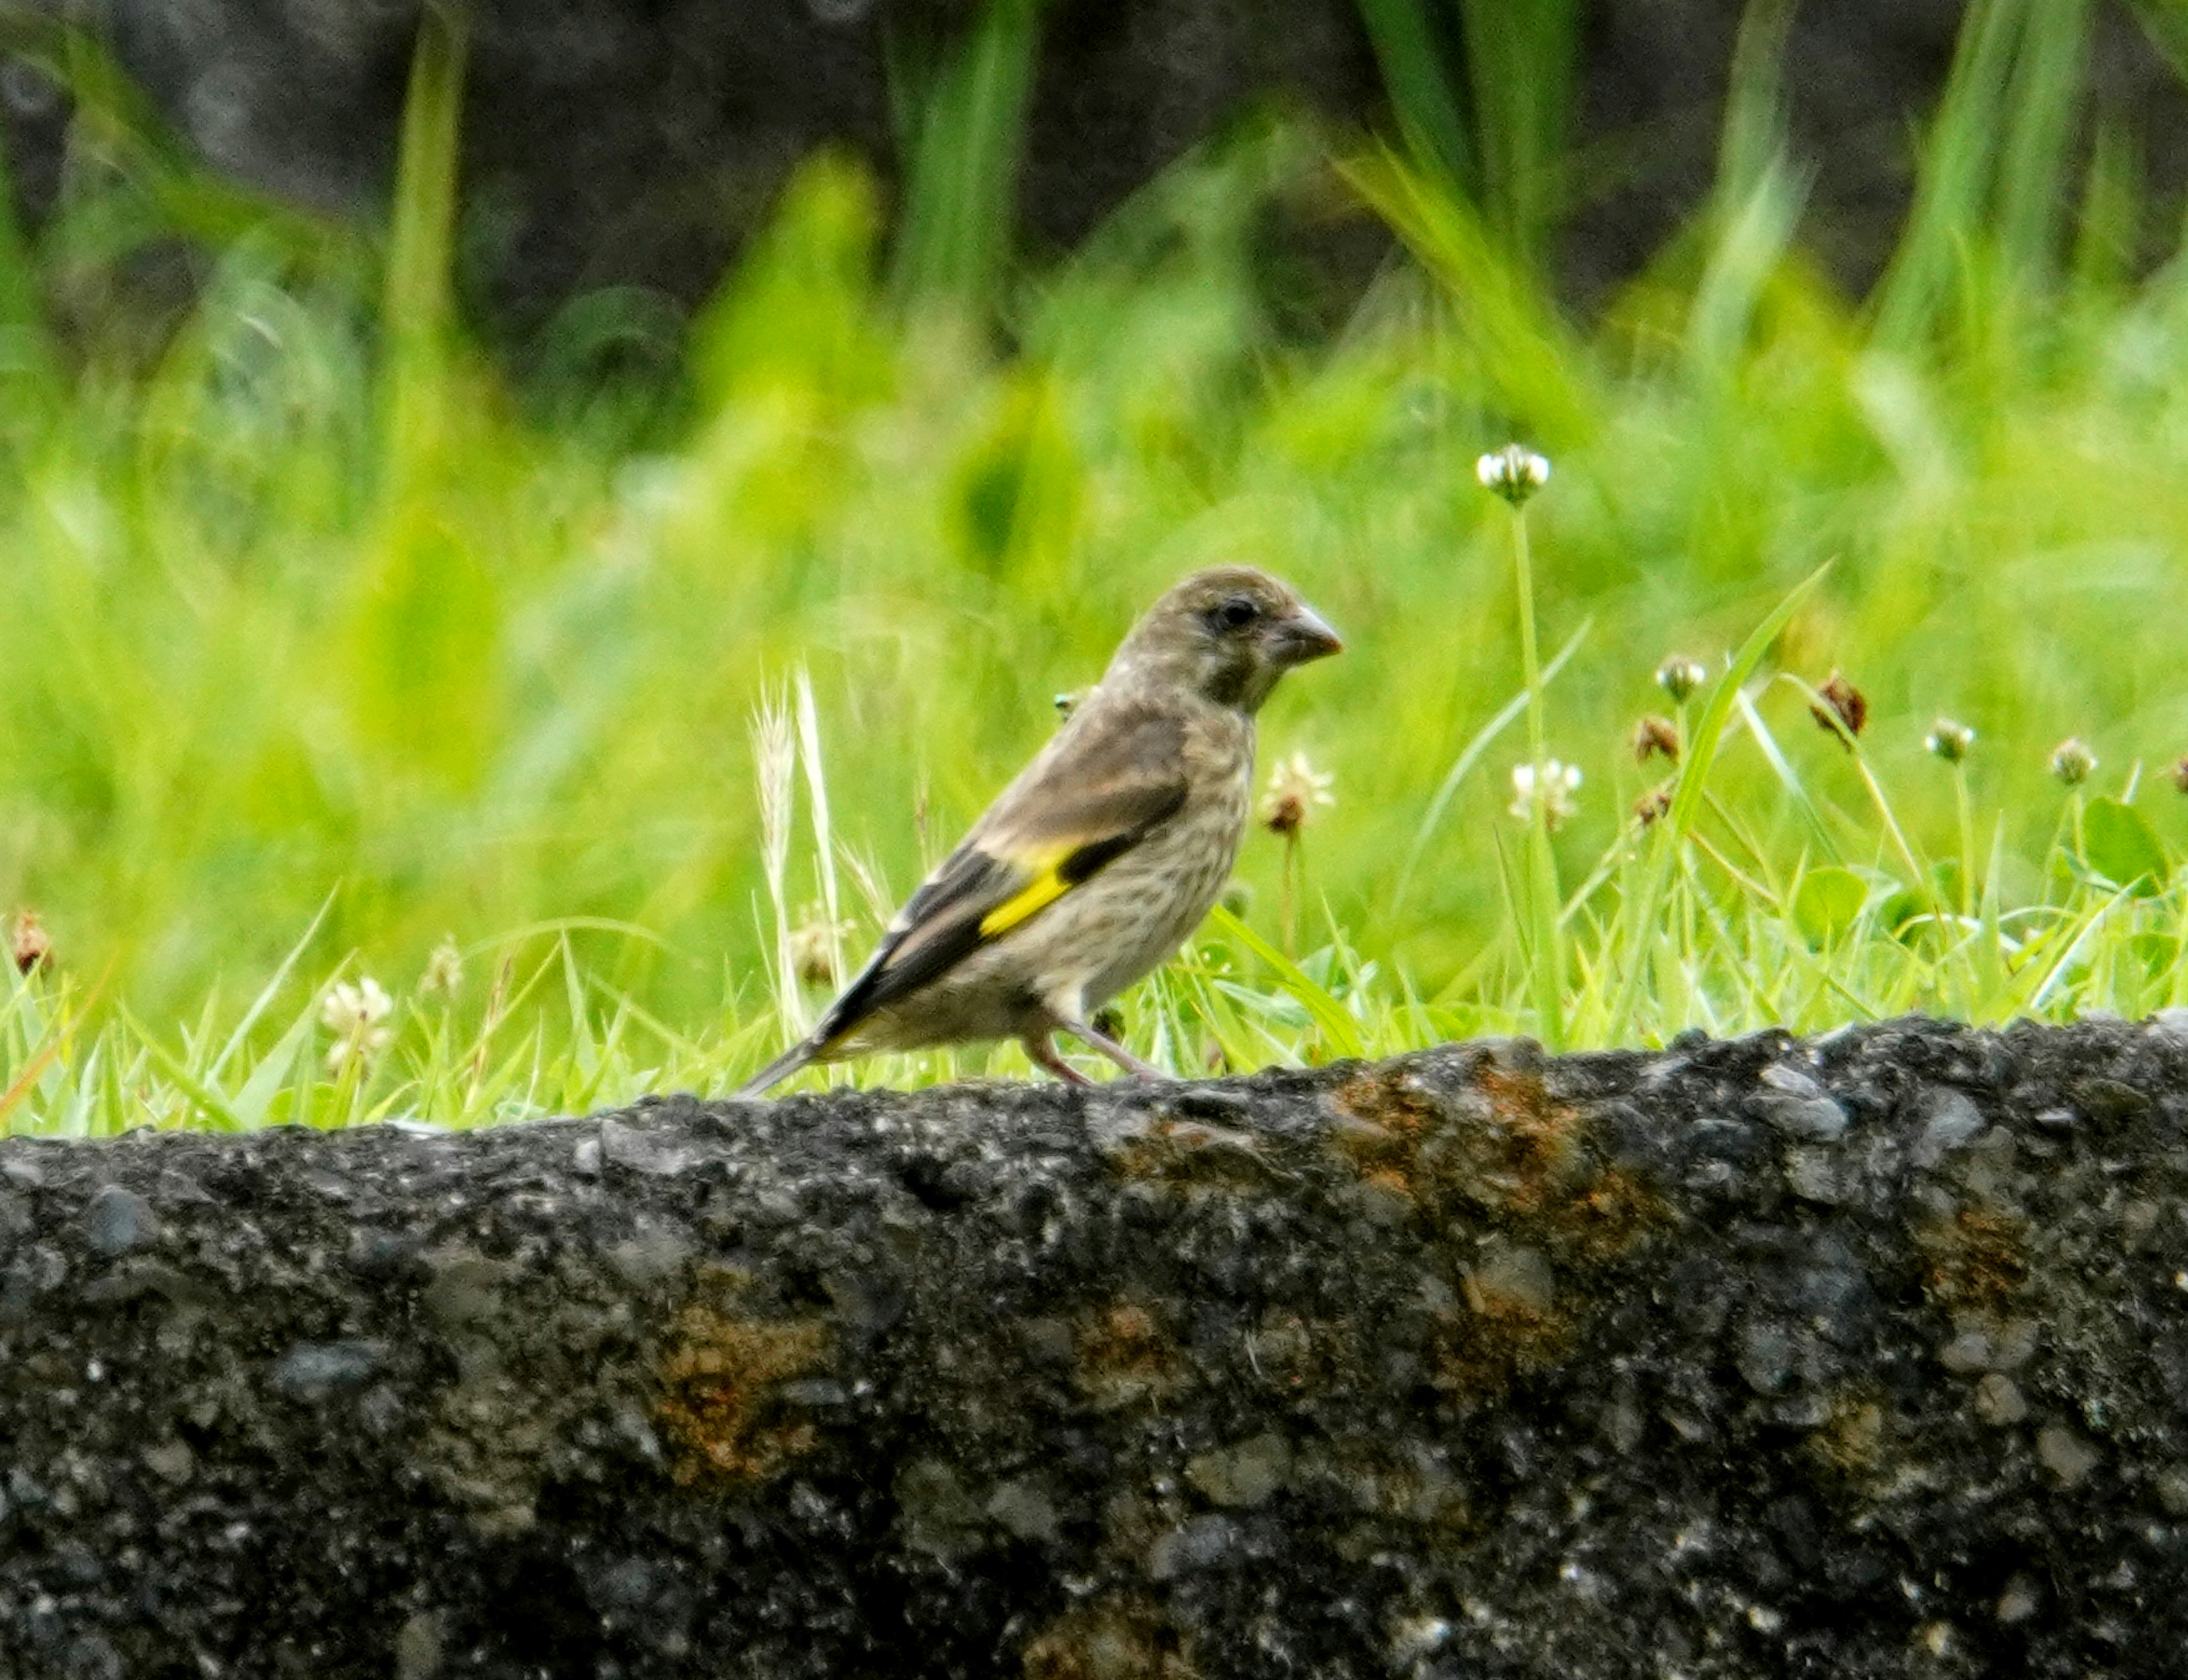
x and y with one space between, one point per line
1469 1363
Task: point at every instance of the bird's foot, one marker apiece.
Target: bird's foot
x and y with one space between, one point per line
1116 1052
1043 1050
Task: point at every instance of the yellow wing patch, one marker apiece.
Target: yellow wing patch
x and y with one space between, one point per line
1046 886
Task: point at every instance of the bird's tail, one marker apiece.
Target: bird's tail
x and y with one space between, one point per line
782 1067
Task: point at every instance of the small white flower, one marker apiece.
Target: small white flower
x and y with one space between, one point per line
1552 791
1295 788
356 1015
1514 472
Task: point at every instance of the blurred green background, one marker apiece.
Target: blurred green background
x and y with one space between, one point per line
311 604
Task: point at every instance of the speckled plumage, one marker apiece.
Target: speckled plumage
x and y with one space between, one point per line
1081 952
1098 860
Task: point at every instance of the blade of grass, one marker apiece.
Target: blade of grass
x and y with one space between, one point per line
272 988
1416 77
1522 64
1671 830
967 131
1336 1023
1953 180
201 1096
1469 756
416 304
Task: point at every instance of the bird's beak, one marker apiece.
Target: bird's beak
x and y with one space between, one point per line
1300 636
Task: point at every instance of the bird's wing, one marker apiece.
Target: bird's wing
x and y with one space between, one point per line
1073 812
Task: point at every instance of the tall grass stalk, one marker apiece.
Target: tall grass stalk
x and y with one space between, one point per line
1424 93
1472 754
1482 94
1522 64
824 831
417 299
961 126
1667 835
774 756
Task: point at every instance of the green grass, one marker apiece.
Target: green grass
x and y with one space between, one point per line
329 640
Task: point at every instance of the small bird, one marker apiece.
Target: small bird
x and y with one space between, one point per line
1091 867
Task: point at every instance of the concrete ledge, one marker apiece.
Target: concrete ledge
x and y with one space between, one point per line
1867 1356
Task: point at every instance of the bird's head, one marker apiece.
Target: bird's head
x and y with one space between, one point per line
1226 634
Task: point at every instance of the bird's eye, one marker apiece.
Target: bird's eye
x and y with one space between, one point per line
1236 613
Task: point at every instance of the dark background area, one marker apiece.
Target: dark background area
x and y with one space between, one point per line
637 143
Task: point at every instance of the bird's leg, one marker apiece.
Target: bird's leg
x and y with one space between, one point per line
1116 1052
1042 1049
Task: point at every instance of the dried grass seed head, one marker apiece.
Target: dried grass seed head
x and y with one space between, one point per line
814 943
31 947
1841 708
1655 737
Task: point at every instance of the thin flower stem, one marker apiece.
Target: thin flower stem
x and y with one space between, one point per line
1548 953
1747 883
1918 877
1289 882
1968 894
1531 663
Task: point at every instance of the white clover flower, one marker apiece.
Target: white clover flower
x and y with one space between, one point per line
1295 788
1552 791
356 1015
1514 472
445 969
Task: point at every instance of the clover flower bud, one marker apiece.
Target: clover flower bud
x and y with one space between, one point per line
1949 740
1680 676
2071 761
1515 472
